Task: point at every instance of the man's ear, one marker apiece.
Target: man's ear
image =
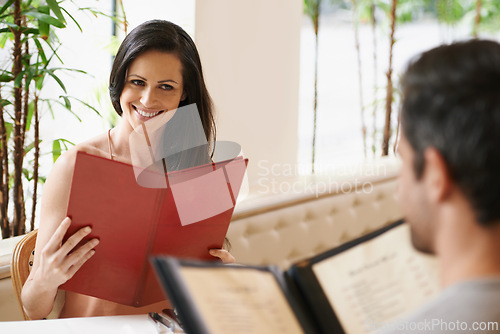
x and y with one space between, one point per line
436 176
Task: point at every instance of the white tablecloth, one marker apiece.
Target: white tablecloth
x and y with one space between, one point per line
128 324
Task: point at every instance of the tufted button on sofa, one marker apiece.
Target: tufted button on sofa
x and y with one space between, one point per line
283 228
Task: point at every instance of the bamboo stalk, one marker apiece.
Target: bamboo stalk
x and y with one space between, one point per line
4 177
18 148
35 164
316 30
388 102
375 76
125 23
26 96
25 110
396 140
360 76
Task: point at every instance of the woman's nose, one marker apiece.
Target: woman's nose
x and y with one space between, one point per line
148 97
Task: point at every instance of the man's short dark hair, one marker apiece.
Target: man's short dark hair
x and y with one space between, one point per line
451 101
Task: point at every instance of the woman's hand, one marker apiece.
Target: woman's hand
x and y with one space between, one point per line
223 254
58 262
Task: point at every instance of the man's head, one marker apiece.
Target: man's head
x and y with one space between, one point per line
451 112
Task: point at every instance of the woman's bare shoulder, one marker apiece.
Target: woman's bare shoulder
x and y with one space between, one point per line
65 164
97 145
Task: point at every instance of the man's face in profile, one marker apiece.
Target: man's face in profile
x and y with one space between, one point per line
413 200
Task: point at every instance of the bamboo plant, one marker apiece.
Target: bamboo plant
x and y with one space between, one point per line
389 87
312 10
28 33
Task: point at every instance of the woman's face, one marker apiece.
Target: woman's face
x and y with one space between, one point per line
153 85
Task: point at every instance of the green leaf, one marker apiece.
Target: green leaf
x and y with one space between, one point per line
46 18
30 146
69 109
6 76
76 22
54 53
42 179
29 78
27 174
39 82
29 117
310 8
65 142
33 31
3 39
56 149
11 25
7 5
5 102
56 78
19 79
44 27
54 6
53 69
88 106
51 109
67 102
8 129
40 50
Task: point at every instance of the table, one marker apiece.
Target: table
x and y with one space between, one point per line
123 324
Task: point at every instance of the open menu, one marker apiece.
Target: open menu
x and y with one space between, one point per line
355 288
185 219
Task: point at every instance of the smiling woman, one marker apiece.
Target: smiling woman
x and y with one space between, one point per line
153 86
174 53
156 70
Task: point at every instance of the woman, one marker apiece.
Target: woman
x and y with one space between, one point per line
156 69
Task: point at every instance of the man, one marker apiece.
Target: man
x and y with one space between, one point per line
450 182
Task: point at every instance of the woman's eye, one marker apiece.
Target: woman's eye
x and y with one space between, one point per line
137 82
166 87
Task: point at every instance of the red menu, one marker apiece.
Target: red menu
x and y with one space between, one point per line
185 219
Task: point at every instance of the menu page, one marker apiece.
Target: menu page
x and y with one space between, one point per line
376 283
240 300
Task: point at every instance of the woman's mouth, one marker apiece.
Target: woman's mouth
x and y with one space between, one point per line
146 114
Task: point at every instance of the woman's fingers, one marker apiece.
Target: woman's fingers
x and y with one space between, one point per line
83 253
74 240
55 241
74 268
223 254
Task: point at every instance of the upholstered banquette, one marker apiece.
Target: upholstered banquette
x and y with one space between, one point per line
283 228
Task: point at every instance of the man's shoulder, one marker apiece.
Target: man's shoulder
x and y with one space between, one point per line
459 307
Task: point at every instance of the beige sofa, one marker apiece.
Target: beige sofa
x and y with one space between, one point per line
286 226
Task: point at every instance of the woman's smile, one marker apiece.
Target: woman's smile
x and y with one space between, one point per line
146 113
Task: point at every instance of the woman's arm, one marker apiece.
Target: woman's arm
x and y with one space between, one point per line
53 264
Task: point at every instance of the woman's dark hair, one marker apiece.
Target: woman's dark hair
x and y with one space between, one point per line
451 101
168 37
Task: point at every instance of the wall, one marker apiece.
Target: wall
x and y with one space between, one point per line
10 310
250 50
9 307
